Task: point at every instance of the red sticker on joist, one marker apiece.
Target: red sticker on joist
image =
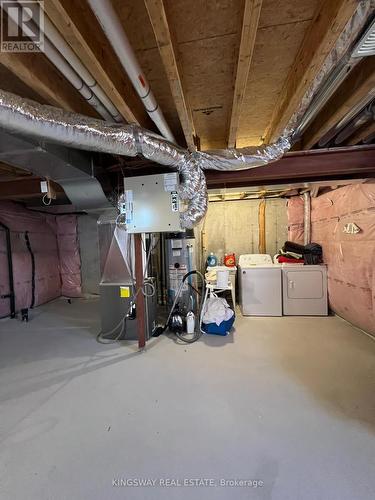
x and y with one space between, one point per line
140 78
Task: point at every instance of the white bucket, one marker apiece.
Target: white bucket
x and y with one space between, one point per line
222 278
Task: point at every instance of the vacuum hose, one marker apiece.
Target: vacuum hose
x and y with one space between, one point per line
198 330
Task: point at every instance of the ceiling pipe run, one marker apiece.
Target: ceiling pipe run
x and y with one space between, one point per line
58 41
115 33
64 67
74 79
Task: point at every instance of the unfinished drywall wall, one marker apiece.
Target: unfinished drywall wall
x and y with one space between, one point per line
343 222
89 250
232 226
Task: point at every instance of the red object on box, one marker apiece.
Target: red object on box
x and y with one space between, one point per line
230 260
287 260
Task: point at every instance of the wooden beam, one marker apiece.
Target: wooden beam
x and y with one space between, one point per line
262 226
362 134
78 25
248 35
359 84
322 35
25 188
34 70
315 165
158 18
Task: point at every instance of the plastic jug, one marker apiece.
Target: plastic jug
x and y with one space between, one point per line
190 322
211 260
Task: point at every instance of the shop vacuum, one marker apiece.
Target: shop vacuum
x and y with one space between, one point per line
186 326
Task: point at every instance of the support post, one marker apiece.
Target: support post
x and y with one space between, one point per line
140 300
262 226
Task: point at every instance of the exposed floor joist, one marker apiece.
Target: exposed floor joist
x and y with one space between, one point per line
34 70
81 30
164 39
248 35
358 85
325 29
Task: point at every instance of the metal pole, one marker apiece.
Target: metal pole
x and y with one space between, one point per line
140 300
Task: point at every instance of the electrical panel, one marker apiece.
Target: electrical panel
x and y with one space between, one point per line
152 203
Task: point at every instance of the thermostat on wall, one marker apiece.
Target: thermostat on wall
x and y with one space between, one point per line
152 203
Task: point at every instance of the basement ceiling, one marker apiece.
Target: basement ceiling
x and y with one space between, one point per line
205 38
241 69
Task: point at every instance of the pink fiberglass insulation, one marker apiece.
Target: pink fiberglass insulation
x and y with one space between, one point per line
350 256
70 260
295 219
35 243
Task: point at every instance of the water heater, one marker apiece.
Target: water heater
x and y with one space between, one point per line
181 258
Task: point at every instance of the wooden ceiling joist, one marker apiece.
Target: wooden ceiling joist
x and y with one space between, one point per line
164 39
41 76
359 84
248 35
325 29
80 29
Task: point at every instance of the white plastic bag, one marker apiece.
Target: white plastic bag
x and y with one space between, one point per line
216 310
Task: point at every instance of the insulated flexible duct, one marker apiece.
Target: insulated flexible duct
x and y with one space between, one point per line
52 124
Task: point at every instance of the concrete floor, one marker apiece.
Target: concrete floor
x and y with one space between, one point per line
286 401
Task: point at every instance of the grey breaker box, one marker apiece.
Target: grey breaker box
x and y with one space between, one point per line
152 203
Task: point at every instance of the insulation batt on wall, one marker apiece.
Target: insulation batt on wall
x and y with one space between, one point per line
53 243
350 256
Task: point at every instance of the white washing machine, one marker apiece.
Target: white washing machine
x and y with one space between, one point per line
304 290
259 283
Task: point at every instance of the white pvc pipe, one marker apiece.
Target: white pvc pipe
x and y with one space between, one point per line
63 66
62 46
53 34
115 33
76 64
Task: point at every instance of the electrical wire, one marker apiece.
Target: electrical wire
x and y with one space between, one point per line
44 200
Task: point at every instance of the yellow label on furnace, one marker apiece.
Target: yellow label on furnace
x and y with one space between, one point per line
124 292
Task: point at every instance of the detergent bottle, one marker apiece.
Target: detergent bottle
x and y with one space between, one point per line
211 260
229 259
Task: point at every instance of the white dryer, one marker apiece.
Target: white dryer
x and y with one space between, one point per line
259 285
304 290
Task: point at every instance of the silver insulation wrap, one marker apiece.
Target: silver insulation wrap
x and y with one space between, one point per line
73 130
51 124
